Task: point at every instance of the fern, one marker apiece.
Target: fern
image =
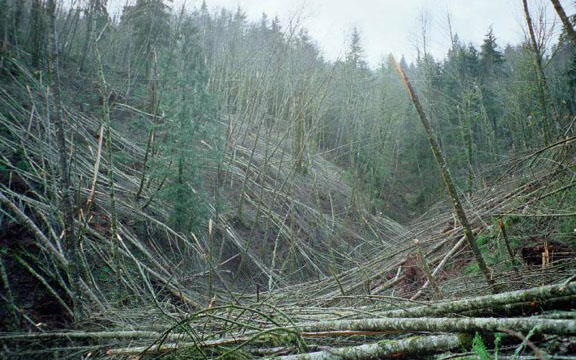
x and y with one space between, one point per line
479 348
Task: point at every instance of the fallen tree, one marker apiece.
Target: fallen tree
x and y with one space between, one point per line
544 326
538 294
410 346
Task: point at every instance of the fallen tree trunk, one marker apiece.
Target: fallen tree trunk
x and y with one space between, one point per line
531 295
410 346
367 327
543 326
440 266
130 334
164 348
523 308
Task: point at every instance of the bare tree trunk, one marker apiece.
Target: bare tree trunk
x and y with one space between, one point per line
535 295
89 20
14 322
543 91
57 117
5 28
427 272
565 21
17 18
384 349
446 176
37 32
508 247
468 141
105 94
454 325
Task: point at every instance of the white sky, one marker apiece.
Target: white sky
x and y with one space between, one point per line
393 26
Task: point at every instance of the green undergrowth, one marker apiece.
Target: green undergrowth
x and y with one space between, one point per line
493 247
480 349
553 227
525 230
480 346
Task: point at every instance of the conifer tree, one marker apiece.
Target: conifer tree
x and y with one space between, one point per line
355 53
490 57
150 22
190 112
491 70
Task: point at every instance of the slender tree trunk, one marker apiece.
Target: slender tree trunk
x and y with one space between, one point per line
427 271
543 91
5 16
468 141
446 176
565 21
37 31
153 108
89 20
535 295
508 247
149 146
104 94
57 117
10 304
298 140
16 30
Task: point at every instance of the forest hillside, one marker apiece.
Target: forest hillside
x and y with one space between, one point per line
180 182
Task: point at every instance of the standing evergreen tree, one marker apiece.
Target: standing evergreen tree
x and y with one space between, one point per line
150 23
491 70
471 62
355 53
491 59
190 112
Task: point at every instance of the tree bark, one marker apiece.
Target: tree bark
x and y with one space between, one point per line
565 21
543 91
89 14
508 247
544 326
57 117
446 176
536 295
441 265
427 272
409 346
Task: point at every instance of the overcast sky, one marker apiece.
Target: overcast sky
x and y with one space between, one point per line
393 26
